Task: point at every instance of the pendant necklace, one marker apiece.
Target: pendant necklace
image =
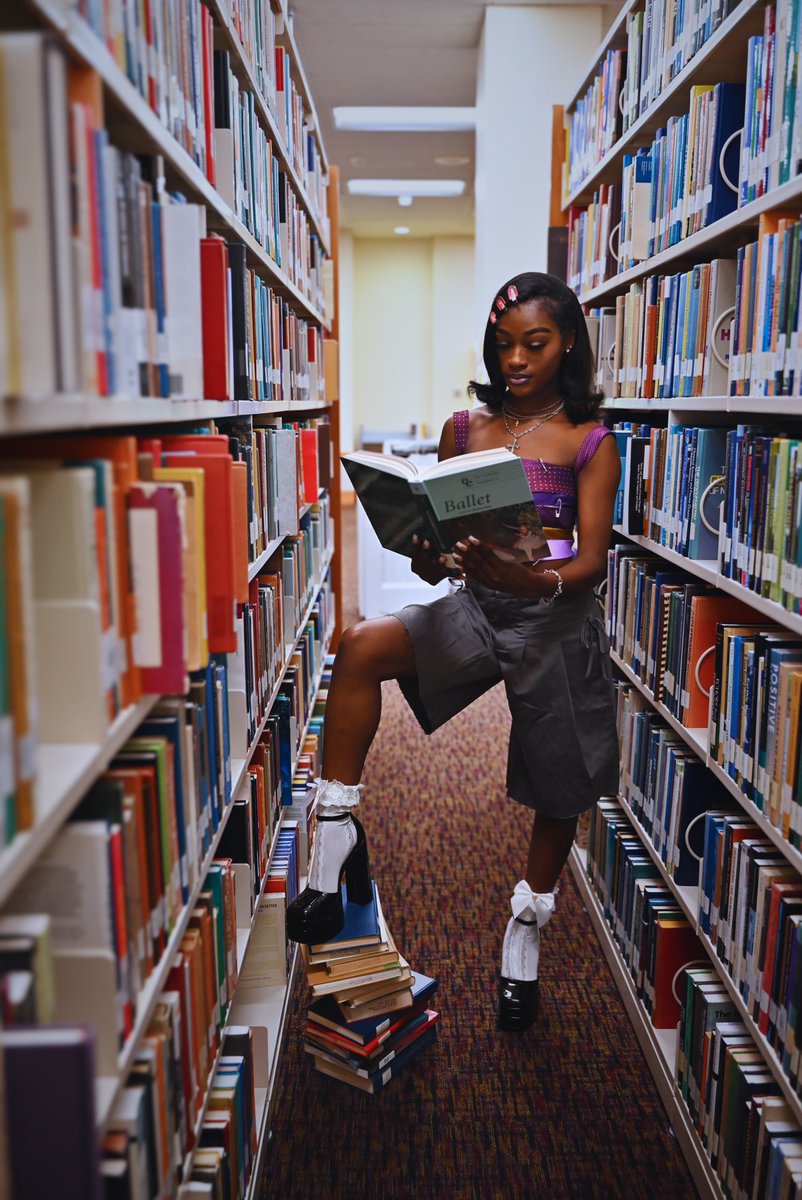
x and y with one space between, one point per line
518 437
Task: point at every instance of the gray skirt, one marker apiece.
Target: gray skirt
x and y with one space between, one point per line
555 664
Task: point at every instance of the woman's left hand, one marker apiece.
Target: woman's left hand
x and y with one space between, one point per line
479 561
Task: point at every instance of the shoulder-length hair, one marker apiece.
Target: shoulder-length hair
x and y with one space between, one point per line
577 373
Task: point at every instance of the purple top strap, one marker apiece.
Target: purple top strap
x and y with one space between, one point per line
589 446
461 430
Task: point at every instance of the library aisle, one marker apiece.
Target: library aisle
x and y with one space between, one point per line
568 1109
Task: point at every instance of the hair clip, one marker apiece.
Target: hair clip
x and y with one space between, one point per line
512 293
492 318
501 303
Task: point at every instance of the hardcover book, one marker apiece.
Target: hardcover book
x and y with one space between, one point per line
485 494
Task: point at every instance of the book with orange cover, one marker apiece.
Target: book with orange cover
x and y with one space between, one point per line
706 612
204 454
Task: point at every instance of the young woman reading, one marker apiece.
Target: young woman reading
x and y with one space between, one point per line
534 625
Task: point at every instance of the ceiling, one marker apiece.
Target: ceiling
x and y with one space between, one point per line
420 52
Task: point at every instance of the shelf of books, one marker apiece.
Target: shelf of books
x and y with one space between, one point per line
659 1045
169 518
682 180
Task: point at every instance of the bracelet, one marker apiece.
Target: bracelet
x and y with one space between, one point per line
549 600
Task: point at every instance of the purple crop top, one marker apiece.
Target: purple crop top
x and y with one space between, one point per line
553 486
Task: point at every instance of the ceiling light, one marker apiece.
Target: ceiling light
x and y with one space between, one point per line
451 160
405 201
401 229
406 187
404 119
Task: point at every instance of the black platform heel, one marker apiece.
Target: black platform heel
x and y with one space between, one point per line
314 916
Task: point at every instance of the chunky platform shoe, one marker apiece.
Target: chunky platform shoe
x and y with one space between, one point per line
518 991
316 915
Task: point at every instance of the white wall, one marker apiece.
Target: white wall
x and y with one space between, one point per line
409 338
345 313
453 305
530 58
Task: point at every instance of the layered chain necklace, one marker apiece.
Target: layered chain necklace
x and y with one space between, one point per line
518 417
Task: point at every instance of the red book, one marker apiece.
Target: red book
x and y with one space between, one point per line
217 364
310 462
156 547
179 981
240 529
120 928
207 33
677 946
777 892
205 454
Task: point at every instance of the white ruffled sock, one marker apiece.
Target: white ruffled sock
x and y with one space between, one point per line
334 839
521 950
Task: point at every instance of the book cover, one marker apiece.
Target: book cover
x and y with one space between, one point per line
485 495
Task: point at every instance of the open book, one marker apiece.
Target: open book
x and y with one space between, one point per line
485 494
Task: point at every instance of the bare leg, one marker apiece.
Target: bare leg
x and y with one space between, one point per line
549 847
369 653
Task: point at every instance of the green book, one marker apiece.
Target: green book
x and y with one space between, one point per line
485 495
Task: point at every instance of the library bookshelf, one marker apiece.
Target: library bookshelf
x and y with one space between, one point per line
303 285
717 54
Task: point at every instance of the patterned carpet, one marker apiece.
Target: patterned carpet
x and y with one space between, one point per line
568 1109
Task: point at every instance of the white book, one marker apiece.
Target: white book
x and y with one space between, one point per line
183 226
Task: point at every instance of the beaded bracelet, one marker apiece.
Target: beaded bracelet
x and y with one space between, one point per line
548 600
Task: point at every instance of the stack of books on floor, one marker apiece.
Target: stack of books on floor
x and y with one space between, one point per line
369 1017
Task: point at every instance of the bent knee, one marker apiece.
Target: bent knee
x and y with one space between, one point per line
381 645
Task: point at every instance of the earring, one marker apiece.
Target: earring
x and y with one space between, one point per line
568 349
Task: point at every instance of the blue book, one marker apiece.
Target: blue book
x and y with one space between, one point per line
709 464
379 1079
729 99
362 926
362 1032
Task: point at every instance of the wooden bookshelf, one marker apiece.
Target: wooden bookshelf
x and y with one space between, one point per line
67 772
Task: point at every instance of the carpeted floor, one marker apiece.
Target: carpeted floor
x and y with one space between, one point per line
568 1109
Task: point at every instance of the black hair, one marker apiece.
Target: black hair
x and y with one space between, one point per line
577 373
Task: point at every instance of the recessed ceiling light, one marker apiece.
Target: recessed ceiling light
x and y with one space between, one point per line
406 187
401 229
403 119
452 160
405 201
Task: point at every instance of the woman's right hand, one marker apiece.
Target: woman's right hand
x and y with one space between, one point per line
425 563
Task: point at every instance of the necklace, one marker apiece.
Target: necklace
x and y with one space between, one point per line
519 416
518 437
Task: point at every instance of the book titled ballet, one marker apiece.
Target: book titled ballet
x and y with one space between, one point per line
485 494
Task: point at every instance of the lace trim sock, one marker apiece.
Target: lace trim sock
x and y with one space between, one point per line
335 798
521 949
335 836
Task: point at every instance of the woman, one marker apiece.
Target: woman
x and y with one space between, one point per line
535 625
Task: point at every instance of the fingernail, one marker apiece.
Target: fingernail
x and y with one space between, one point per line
474 541
414 539
426 545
